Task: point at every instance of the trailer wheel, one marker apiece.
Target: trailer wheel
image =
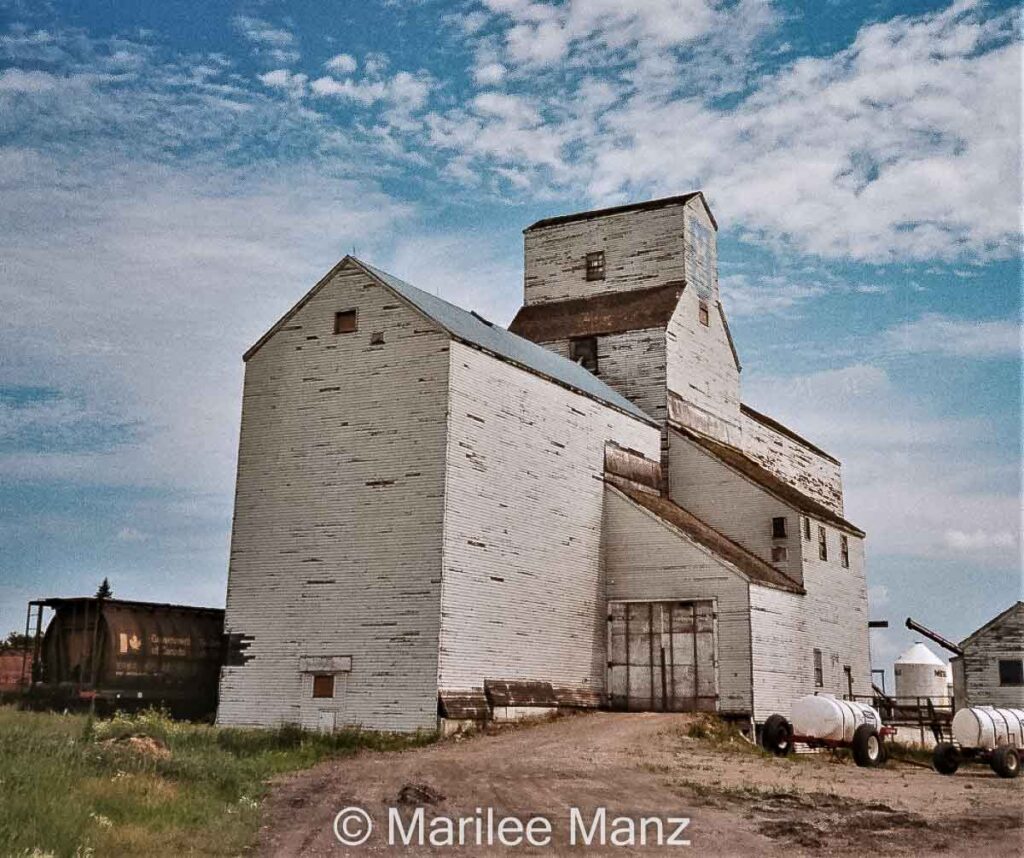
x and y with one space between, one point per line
867 747
777 736
946 758
1006 762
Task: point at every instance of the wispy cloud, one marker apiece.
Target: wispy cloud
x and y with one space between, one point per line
938 334
270 41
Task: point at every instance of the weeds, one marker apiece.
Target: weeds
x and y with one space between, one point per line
145 784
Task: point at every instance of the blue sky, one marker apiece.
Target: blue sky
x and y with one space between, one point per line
173 176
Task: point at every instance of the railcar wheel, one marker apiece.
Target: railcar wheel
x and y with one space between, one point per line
777 736
946 758
867 747
1006 762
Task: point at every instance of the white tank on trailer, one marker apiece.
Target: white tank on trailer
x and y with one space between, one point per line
823 716
921 673
986 727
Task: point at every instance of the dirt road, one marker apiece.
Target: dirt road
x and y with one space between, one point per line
637 765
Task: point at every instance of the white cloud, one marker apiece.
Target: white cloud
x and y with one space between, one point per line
341 64
980 540
275 43
934 333
404 92
489 74
17 80
292 83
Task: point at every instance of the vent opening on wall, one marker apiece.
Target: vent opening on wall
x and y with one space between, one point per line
702 314
345 322
583 350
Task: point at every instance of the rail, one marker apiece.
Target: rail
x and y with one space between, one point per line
927 714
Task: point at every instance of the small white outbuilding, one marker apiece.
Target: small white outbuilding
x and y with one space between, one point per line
921 673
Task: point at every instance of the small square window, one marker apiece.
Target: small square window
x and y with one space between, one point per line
345 322
595 265
779 527
583 350
780 554
1011 671
377 338
844 551
323 685
822 544
807 528
702 313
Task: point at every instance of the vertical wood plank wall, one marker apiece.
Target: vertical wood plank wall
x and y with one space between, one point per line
523 597
336 542
646 559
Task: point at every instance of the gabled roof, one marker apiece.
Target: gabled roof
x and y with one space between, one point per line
1016 606
611 313
477 332
717 543
785 430
743 464
664 202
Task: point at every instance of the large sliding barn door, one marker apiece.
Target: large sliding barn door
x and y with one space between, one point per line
661 656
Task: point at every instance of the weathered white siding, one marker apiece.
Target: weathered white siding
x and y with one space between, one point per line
730 503
523 596
648 559
979 665
701 367
793 462
641 248
336 543
832 617
632 363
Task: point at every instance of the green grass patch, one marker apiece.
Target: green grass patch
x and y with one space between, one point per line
722 735
147 785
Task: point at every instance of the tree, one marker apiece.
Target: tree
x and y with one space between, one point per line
105 591
16 641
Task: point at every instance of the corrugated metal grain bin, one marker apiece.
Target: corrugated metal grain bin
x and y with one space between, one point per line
127 655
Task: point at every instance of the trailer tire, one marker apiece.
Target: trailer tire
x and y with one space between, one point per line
946 758
867 747
1006 761
777 736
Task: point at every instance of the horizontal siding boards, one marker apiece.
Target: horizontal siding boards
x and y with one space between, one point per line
336 542
980 661
632 364
646 560
523 597
702 372
641 248
787 628
793 462
730 503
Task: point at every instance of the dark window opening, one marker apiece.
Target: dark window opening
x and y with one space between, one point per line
595 265
779 527
377 338
323 685
1011 671
819 673
345 322
844 551
780 554
807 528
702 313
583 351
849 679
822 544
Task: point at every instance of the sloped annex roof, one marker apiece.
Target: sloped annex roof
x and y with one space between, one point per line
1016 606
782 429
612 313
663 202
717 543
742 463
473 330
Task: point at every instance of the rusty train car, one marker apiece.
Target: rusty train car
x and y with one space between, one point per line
116 654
